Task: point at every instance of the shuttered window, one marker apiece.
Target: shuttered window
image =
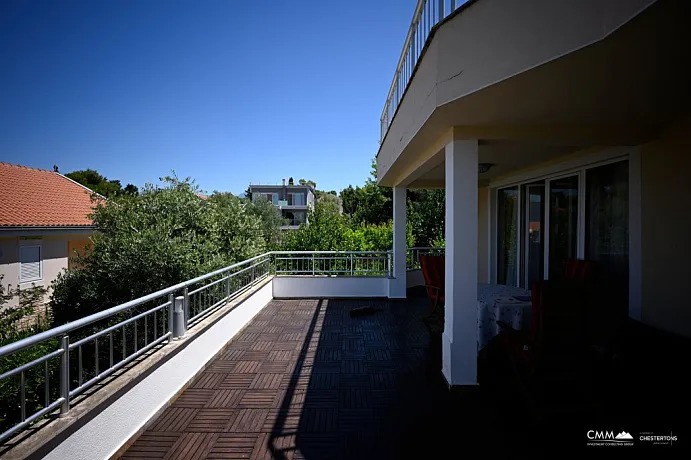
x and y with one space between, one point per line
30 263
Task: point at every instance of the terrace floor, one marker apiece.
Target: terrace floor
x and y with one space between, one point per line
304 380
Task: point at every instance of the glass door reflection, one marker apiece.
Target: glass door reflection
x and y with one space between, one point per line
533 268
563 223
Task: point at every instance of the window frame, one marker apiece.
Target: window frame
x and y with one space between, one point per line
292 198
520 181
40 263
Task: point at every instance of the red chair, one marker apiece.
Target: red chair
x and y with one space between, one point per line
555 344
579 271
433 272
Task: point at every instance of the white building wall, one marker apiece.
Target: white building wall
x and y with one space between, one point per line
666 231
307 287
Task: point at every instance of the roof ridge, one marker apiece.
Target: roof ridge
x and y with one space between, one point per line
25 167
81 185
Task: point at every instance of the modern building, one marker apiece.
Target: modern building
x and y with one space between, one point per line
294 201
44 221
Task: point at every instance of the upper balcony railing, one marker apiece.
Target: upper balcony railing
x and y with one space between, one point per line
428 14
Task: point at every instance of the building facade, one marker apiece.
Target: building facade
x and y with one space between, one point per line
294 201
44 223
557 133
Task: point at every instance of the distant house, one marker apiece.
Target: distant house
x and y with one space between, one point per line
43 223
293 200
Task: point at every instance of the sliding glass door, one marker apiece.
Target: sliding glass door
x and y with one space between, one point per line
582 215
607 228
563 223
507 236
533 229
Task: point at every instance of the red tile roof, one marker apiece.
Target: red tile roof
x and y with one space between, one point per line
38 198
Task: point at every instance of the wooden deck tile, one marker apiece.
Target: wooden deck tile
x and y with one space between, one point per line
303 380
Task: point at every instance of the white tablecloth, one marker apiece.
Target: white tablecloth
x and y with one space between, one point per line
496 302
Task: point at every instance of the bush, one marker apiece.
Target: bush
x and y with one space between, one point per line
150 241
16 323
328 230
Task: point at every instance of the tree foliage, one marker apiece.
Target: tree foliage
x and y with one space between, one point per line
372 204
271 221
100 184
310 183
329 230
426 213
143 243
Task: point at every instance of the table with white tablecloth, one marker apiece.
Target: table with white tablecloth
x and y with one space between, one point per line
498 302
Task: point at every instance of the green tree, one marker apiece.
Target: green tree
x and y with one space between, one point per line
426 211
131 189
147 242
369 204
100 184
326 231
271 221
311 183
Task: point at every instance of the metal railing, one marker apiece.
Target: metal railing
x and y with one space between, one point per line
92 348
57 365
333 263
428 13
413 255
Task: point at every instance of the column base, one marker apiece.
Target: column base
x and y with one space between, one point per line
453 370
397 288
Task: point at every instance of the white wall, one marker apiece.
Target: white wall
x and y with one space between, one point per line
490 41
414 278
54 255
299 287
666 231
102 436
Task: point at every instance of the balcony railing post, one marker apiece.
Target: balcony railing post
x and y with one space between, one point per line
440 11
228 287
171 309
313 271
186 305
65 374
352 266
178 316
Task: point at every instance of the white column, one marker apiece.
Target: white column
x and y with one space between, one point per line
397 285
459 340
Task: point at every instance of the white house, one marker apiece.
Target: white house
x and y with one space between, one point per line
43 223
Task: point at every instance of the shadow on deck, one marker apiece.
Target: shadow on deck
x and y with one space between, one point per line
305 380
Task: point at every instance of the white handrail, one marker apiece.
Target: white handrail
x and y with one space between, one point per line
427 14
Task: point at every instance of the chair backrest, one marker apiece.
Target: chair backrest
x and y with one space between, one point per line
433 272
557 317
579 271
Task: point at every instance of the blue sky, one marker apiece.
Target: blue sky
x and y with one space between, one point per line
225 91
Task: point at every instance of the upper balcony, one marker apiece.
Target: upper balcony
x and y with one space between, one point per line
528 79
